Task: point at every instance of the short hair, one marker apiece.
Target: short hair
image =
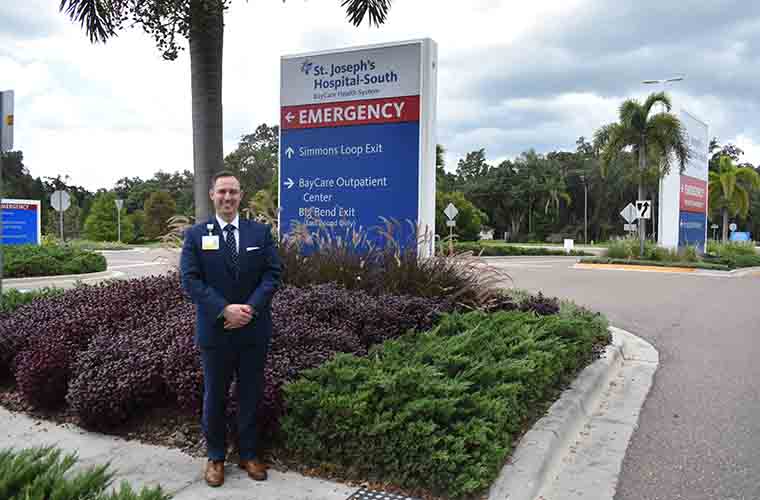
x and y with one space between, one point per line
219 175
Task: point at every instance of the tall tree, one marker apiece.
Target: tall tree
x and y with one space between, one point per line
159 207
201 22
254 162
102 223
649 134
730 190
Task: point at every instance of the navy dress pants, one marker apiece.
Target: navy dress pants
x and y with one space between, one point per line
220 363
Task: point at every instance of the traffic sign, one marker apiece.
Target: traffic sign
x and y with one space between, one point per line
714 226
643 209
451 211
732 226
119 204
630 227
451 223
60 200
629 213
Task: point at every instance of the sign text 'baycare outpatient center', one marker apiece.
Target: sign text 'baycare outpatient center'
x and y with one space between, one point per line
357 141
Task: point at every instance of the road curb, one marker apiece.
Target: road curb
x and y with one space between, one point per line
540 452
63 277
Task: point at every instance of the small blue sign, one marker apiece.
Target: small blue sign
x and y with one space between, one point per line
21 222
692 230
739 236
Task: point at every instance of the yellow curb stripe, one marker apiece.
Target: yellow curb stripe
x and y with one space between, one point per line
632 267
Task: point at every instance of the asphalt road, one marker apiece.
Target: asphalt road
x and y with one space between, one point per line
699 432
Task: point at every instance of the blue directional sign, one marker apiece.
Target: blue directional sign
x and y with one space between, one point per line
356 149
692 230
21 222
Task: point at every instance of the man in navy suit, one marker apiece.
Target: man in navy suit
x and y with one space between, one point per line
230 269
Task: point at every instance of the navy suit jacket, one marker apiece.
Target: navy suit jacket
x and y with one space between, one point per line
208 278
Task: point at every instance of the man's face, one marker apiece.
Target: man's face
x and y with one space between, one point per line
226 197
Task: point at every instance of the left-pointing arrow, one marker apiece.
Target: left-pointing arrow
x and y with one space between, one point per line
289 152
289 117
289 183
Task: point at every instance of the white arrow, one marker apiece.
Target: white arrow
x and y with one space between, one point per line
289 152
289 183
289 117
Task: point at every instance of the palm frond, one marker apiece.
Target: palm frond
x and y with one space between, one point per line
653 99
376 10
99 18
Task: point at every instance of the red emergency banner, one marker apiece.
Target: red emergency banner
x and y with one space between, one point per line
693 195
341 114
18 206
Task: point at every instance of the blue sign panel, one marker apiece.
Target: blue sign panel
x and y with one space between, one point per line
692 230
349 178
21 222
740 236
357 147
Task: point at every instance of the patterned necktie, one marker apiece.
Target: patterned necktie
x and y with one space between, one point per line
232 247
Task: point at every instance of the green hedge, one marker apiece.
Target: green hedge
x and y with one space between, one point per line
439 410
507 250
658 263
43 473
23 261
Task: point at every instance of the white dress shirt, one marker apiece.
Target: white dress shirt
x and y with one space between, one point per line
236 223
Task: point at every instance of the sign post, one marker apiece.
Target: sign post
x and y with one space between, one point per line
119 204
357 143
60 201
6 144
451 213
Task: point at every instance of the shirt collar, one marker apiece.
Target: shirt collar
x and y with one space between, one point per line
235 222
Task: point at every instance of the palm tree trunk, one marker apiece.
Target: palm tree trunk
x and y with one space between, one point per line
206 43
642 168
725 224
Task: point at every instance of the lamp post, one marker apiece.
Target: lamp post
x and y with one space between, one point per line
664 82
585 209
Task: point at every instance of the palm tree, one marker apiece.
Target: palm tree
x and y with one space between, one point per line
202 23
648 135
730 189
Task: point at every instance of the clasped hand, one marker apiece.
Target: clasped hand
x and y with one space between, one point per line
237 316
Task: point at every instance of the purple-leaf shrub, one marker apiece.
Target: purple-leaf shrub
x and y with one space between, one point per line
43 368
119 376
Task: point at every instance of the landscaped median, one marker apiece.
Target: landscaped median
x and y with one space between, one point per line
492 249
626 254
27 261
416 374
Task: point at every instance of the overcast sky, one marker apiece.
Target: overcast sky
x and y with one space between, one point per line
513 75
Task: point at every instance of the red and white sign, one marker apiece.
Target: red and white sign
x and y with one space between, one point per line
693 195
341 114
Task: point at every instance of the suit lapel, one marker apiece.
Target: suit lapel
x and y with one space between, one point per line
245 236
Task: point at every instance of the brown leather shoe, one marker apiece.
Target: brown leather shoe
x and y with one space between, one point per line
214 474
255 469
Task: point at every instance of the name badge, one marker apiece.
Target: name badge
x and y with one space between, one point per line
210 243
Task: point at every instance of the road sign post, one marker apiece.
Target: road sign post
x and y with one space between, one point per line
119 204
6 144
60 201
451 213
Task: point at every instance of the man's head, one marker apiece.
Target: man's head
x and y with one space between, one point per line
225 193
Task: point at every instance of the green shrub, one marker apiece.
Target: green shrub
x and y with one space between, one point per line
630 248
12 299
439 410
23 261
44 473
731 248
